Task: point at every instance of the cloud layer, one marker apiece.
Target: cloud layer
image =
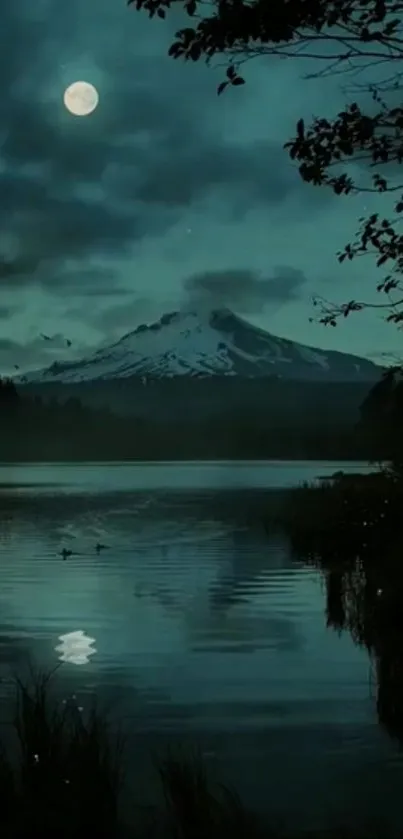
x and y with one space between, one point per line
95 211
243 290
78 190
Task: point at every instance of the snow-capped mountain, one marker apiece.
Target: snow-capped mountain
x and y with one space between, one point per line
217 343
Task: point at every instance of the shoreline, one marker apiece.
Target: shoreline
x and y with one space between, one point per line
210 459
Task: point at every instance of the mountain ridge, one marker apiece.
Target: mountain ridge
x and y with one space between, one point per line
207 344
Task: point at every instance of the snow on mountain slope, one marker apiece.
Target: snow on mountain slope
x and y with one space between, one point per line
207 344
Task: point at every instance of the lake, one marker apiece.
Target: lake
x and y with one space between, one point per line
205 630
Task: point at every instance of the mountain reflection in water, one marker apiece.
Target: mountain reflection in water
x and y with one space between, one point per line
208 628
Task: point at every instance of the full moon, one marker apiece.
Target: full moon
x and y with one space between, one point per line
81 98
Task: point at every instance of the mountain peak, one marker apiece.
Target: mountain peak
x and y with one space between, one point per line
201 315
215 342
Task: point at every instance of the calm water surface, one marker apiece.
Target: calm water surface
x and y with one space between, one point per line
205 629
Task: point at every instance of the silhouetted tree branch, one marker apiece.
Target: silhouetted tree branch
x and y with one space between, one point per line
351 30
348 36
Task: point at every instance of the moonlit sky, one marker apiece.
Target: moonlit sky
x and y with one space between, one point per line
166 195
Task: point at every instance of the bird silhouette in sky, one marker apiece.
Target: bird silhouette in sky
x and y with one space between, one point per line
68 342
16 366
99 547
65 553
45 337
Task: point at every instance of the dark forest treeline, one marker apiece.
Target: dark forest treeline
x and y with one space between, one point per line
277 401
36 429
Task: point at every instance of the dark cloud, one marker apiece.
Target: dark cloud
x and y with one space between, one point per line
44 217
126 316
117 318
99 291
7 312
96 281
80 188
255 173
243 290
33 354
53 204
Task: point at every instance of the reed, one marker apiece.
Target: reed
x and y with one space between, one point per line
195 808
68 770
67 779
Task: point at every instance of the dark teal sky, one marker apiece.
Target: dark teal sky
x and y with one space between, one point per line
166 196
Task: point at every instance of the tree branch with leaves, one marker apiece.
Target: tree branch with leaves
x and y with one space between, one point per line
347 36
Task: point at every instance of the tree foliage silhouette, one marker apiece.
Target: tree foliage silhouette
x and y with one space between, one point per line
382 417
345 36
9 398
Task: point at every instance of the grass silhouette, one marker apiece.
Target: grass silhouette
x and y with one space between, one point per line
68 770
66 777
194 809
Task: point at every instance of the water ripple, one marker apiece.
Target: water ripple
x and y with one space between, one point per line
200 625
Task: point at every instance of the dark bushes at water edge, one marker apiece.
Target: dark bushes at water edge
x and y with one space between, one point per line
352 530
348 516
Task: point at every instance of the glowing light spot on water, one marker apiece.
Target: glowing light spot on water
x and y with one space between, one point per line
75 648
